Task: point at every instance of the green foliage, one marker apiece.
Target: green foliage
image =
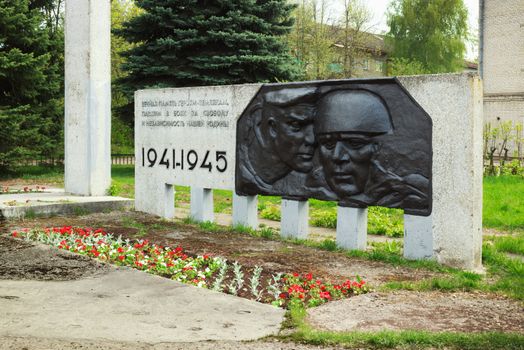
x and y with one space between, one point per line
498 140
271 212
385 221
324 218
210 226
121 130
428 35
30 82
405 66
121 135
329 245
203 42
267 233
243 229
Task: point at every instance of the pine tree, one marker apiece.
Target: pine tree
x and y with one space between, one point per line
207 42
30 81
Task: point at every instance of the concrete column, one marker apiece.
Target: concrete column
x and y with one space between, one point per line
454 102
155 198
418 237
294 219
202 204
352 228
87 97
245 211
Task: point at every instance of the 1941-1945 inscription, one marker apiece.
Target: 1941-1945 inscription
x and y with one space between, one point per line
358 142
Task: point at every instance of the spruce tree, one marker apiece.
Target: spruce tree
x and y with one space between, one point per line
30 81
207 42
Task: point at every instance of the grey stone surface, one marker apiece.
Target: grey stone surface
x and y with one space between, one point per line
352 228
454 102
87 97
418 237
245 211
19 205
132 306
198 122
202 204
294 219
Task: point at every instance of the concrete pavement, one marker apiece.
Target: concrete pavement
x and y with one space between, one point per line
132 306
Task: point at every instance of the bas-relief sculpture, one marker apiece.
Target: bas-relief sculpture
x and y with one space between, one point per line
358 142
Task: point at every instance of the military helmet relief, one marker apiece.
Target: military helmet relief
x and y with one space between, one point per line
359 142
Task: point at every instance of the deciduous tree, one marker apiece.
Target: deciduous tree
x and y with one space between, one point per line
428 34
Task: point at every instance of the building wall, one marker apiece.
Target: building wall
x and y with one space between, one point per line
503 60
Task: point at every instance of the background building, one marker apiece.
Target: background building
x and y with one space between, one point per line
502 59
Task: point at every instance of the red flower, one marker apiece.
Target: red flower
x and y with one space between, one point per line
309 276
295 288
120 250
15 234
295 274
282 295
121 257
325 295
95 252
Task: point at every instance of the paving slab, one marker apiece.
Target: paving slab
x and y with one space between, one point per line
56 201
123 304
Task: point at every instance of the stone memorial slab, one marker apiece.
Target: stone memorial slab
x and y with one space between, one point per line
413 143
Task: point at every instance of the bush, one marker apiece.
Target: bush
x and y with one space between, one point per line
271 212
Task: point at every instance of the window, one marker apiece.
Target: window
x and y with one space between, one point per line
379 66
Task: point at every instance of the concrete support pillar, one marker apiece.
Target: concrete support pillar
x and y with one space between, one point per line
454 102
202 204
418 237
245 211
156 198
294 219
87 97
352 228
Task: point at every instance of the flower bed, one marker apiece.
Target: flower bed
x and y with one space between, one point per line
26 189
205 271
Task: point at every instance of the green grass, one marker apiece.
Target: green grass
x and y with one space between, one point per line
48 174
304 333
504 202
508 272
513 243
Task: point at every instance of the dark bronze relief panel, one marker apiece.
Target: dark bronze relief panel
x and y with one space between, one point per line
357 142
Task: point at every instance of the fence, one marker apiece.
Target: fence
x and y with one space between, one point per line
116 159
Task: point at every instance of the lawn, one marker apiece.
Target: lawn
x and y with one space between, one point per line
503 201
